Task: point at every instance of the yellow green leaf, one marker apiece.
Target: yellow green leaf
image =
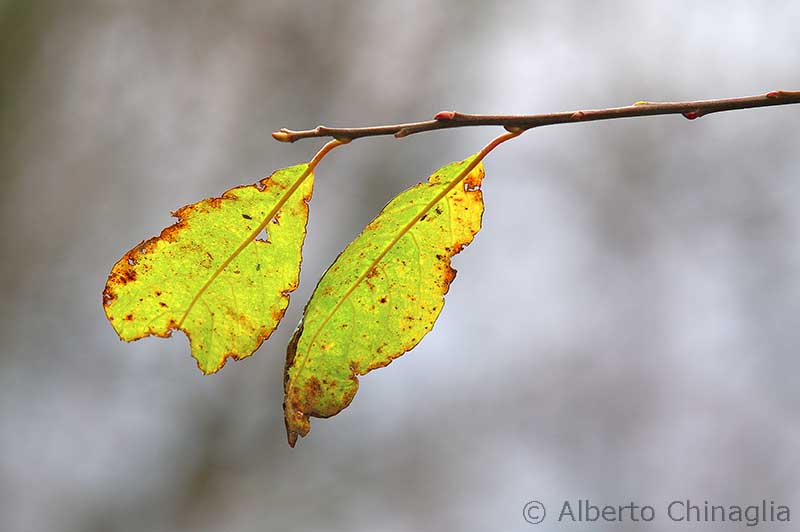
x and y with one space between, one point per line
210 276
382 294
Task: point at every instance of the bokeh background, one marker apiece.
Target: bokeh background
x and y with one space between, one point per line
624 328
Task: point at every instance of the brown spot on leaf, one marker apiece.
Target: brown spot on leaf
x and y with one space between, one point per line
449 275
108 297
473 180
169 234
313 389
277 314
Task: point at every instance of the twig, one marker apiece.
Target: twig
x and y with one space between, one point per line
450 119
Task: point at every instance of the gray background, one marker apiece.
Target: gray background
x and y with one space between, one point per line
624 328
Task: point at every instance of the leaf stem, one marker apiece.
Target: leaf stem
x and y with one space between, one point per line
450 119
280 203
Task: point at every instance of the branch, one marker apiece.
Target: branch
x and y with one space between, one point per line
450 119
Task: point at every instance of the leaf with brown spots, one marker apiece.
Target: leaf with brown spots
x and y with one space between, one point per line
210 276
382 294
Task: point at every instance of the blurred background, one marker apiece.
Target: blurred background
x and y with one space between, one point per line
623 329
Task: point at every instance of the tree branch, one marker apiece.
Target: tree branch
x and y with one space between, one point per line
450 119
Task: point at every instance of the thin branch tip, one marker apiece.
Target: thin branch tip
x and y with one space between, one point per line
282 136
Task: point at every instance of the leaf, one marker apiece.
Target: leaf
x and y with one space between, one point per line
382 294
209 276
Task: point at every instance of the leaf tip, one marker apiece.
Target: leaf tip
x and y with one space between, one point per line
297 424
